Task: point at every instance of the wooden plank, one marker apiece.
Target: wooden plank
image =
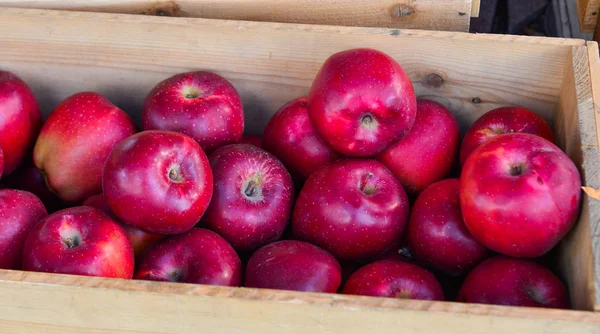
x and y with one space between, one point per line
446 15
479 72
576 134
97 305
60 53
475 8
588 11
594 169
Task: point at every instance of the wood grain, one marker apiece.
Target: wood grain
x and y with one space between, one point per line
577 136
123 56
475 8
96 305
269 63
588 11
594 168
447 15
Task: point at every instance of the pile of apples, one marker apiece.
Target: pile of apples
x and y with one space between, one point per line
357 188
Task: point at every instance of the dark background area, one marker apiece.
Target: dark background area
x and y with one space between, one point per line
552 18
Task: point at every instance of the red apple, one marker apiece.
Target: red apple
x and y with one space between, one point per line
361 101
353 208
28 178
20 121
252 199
255 140
140 240
514 282
202 105
428 151
291 137
158 181
1 162
394 279
80 241
519 194
293 265
198 256
437 235
19 212
75 141
501 121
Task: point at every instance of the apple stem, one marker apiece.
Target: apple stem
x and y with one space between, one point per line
516 170
72 242
367 119
365 181
173 175
250 189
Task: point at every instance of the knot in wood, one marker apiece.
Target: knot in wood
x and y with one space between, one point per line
434 80
401 10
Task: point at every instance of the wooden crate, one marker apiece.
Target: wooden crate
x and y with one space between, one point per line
588 11
122 56
448 15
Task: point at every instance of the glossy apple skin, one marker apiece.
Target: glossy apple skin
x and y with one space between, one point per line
509 281
198 256
291 137
20 121
101 249
352 85
213 118
436 232
293 265
75 141
1 162
523 215
158 181
353 224
394 279
249 222
428 151
19 212
29 179
255 140
501 121
140 240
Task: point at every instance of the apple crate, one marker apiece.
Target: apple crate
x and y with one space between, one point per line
122 56
447 15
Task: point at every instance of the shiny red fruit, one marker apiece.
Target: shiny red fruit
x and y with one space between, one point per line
291 137
80 241
361 101
501 121
19 212
75 141
20 121
140 240
198 256
437 235
253 196
519 194
158 181
293 265
394 279
353 208
514 282
1 162
428 151
202 105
